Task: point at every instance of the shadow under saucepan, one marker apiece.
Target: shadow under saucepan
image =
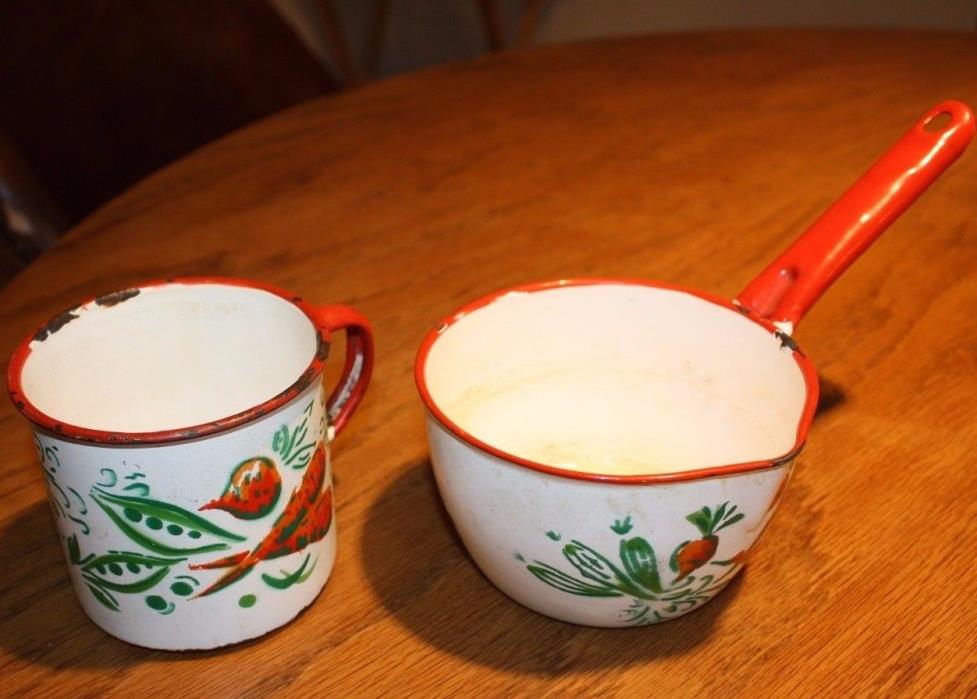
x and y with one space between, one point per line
418 567
831 396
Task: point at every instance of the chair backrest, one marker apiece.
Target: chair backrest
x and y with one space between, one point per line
99 93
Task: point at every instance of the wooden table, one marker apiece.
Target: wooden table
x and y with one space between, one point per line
685 158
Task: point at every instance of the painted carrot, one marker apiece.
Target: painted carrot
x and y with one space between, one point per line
692 555
695 554
306 518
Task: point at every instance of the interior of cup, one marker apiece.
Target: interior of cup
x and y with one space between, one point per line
167 357
617 379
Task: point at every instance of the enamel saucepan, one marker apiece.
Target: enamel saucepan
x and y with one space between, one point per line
609 450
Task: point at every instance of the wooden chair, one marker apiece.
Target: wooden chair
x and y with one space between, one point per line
99 93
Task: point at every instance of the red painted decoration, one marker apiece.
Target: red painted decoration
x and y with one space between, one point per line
306 518
695 554
251 491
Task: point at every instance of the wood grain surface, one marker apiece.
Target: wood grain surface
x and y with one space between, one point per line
687 158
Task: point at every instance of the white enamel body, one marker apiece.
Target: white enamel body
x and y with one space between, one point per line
224 349
619 380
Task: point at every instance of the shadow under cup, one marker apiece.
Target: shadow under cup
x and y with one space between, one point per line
574 422
181 429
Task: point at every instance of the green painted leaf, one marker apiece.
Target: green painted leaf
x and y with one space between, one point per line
673 559
160 527
289 579
718 517
678 595
140 488
279 440
730 521
590 563
291 445
102 596
622 528
301 456
640 564
74 552
565 583
307 574
636 615
597 567
702 520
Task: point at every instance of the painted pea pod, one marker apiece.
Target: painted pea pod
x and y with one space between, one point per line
127 572
104 597
595 566
161 527
640 563
561 581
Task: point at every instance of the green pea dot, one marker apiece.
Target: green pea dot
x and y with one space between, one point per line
174 529
115 568
156 602
247 601
132 515
181 588
154 523
133 568
100 569
193 534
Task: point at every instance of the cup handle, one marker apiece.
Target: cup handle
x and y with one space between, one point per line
357 367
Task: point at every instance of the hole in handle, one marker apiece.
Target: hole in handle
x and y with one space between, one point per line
937 122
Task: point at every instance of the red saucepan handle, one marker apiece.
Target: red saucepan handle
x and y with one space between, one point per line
786 289
358 365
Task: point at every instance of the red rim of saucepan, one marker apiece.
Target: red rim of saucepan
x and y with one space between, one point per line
86 434
805 365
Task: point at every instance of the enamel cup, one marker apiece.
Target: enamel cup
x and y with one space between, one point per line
183 430
610 450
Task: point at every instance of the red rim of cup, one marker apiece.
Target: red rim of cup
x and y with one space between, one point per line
86 434
807 369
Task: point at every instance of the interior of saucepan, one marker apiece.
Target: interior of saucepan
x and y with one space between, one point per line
167 356
618 379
